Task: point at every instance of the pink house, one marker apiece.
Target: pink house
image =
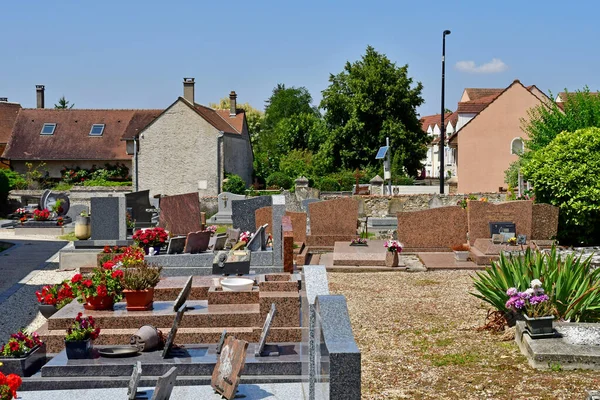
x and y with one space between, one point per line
489 135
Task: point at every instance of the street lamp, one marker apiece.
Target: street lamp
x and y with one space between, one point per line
443 128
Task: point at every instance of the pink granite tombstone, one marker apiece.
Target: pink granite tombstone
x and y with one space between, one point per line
437 229
481 213
180 214
332 221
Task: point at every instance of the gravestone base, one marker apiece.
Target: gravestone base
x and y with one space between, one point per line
99 244
484 251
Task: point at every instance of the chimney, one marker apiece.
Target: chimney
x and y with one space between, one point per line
3 99
39 89
188 89
232 104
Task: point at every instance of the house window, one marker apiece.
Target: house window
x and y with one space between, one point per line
97 130
48 129
516 146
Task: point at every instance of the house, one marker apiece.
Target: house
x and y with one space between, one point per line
71 138
488 136
190 147
8 116
431 125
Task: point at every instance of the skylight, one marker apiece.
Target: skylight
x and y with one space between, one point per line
97 130
48 129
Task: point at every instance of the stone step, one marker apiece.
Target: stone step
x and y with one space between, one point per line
54 339
201 314
190 360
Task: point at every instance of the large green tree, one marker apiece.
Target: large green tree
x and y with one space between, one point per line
372 99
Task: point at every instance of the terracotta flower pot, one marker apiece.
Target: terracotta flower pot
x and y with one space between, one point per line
391 259
139 300
99 303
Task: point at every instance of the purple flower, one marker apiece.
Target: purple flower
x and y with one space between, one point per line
512 292
524 295
519 304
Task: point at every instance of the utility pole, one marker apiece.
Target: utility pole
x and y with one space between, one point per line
443 127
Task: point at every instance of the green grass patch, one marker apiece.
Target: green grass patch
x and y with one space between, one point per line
102 182
555 366
69 236
444 342
62 186
453 359
222 228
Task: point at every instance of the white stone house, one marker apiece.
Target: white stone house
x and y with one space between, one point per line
431 124
190 147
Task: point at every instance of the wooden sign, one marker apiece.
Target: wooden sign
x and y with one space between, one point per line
221 341
165 385
132 392
183 295
173 332
229 367
265 332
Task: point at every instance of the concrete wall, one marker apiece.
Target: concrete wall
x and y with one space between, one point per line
178 154
238 156
54 167
484 151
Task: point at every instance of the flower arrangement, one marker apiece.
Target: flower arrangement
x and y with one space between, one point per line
20 212
9 385
128 257
212 229
58 206
20 344
151 237
512 241
533 301
246 236
58 295
105 282
114 249
82 328
393 246
41 215
358 241
60 221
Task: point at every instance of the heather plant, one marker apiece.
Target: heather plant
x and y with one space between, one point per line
141 277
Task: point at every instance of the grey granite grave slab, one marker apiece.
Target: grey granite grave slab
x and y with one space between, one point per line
108 218
243 212
223 215
383 223
278 213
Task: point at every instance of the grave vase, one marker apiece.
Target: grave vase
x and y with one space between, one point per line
47 310
27 365
99 303
391 259
78 349
539 325
83 229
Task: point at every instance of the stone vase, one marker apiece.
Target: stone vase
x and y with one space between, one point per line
47 310
27 365
79 349
539 325
139 300
99 303
391 259
83 229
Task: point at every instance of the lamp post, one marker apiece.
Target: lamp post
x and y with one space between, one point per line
443 127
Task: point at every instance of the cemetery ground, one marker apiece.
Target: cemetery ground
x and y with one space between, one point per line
418 337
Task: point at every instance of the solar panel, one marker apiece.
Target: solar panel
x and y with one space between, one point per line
381 153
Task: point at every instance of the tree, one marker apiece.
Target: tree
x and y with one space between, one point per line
372 99
63 104
254 117
566 173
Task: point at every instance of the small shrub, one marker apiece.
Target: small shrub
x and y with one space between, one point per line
141 277
234 184
279 180
327 184
15 180
403 180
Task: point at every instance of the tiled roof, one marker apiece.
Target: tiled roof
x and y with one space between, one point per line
480 93
221 120
8 116
71 139
564 95
432 120
474 107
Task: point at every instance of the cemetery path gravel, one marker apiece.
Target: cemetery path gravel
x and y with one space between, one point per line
418 339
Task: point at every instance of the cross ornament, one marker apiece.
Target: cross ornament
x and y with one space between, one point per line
224 198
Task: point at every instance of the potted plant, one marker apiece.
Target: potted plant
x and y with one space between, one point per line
461 252
151 237
101 289
109 253
138 283
9 385
394 247
535 306
83 229
78 341
23 354
54 297
128 257
41 215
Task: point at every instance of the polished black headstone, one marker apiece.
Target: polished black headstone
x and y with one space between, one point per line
138 203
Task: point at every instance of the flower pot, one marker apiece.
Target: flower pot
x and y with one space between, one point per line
539 325
99 303
79 349
47 310
27 365
83 229
391 259
461 255
139 300
146 338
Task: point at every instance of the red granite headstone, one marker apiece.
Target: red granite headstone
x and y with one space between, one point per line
229 367
180 214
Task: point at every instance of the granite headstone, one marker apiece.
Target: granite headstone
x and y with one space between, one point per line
233 236
108 218
230 364
306 202
223 215
176 245
138 203
197 242
173 332
165 385
243 212
183 295
255 243
180 214
51 200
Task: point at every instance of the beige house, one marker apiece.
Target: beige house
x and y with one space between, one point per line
190 147
431 124
489 135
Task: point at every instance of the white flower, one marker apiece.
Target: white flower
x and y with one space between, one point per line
530 292
536 283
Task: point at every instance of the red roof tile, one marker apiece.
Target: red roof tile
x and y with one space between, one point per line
479 93
474 107
71 139
8 116
221 120
432 120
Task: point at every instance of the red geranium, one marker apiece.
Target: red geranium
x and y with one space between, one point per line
41 215
19 344
82 328
58 295
9 385
76 278
101 290
108 265
87 283
151 237
117 273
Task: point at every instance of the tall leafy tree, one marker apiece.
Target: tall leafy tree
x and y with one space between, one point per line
372 99
63 104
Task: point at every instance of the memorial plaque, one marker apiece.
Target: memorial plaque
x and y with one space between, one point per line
183 295
522 239
221 341
230 364
165 385
176 245
221 239
235 262
497 238
265 332
233 236
500 227
134 381
173 332
197 242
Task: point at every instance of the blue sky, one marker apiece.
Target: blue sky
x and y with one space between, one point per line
134 54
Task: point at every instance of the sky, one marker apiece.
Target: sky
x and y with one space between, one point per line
134 54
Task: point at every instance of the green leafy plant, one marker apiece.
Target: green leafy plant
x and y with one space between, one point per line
279 180
82 328
142 277
234 184
327 184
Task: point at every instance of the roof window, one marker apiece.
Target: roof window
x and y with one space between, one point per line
48 129
97 130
